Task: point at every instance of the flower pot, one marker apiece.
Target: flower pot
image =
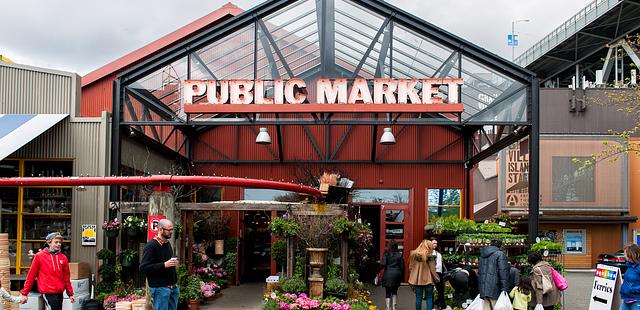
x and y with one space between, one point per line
193 304
111 233
219 247
127 262
317 257
132 231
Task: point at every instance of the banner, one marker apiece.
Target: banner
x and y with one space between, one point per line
152 227
89 234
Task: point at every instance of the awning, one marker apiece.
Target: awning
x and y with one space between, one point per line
16 130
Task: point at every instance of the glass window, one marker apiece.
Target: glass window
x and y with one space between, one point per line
443 202
269 195
570 183
381 195
48 168
394 231
9 168
394 216
574 241
209 194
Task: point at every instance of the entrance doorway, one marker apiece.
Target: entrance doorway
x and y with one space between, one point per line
370 214
256 247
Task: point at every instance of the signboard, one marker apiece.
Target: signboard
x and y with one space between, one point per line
152 228
89 234
574 241
516 178
605 290
428 94
512 40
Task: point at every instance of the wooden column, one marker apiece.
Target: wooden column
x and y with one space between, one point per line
344 259
290 256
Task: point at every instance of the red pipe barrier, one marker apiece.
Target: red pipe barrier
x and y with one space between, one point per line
159 181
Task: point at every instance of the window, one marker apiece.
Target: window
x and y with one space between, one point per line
269 195
571 184
443 202
574 241
381 195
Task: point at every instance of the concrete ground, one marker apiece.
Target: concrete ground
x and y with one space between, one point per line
250 296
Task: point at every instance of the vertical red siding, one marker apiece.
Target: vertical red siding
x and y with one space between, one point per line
97 97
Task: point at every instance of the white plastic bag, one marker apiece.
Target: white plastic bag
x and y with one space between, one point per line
476 304
503 303
539 307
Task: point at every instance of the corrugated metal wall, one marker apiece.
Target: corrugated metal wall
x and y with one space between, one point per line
25 90
97 97
84 140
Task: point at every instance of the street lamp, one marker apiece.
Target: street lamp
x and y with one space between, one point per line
513 36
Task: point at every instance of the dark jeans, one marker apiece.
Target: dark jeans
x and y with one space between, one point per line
53 301
388 291
440 288
424 290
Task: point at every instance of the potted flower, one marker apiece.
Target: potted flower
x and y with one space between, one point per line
134 225
112 228
127 257
209 289
190 292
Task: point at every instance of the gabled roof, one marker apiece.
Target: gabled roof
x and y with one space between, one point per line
223 13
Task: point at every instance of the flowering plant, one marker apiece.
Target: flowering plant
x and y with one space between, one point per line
133 221
209 289
112 225
288 301
210 274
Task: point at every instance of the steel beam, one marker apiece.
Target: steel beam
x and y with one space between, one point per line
265 32
202 64
497 146
116 140
356 161
275 74
158 107
373 43
534 164
263 121
325 15
384 50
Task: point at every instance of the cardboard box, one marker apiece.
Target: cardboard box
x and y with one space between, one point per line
80 287
80 300
79 271
34 302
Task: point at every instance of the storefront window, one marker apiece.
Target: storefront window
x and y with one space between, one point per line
380 195
574 241
396 216
570 183
268 195
443 202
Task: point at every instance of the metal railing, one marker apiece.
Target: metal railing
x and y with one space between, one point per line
580 20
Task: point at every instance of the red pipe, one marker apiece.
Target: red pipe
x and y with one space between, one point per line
158 180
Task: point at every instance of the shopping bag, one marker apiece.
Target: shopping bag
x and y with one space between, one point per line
503 303
538 307
559 280
476 304
377 281
547 286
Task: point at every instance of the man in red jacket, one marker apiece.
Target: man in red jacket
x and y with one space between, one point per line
51 268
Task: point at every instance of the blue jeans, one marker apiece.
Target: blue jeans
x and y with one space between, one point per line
165 298
632 306
421 290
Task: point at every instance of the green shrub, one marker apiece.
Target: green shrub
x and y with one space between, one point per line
284 227
229 264
106 254
546 245
271 304
191 290
335 285
279 252
293 285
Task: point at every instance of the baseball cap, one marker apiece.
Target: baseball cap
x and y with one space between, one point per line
53 235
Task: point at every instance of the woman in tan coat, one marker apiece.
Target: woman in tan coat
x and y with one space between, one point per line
422 273
541 272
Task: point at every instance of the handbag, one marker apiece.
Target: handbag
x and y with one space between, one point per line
377 281
503 303
547 286
559 280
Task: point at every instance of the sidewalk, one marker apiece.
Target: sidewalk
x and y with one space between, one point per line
244 297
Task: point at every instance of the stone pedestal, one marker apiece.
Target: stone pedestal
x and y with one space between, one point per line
316 286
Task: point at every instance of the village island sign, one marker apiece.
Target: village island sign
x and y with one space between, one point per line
215 96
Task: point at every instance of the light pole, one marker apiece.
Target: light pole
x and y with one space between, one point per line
513 36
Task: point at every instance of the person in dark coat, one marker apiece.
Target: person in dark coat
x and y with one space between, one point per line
493 272
393 264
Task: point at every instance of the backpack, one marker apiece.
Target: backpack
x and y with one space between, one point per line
560 281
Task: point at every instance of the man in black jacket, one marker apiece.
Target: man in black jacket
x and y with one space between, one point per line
159 266
493 272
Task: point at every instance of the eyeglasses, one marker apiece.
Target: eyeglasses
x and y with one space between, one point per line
167 229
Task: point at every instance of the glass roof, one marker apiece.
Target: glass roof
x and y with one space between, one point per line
311 39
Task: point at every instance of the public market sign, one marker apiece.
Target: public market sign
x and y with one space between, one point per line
212 96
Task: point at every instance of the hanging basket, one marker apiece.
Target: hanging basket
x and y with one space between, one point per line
127 262
111 233
219 247
132 231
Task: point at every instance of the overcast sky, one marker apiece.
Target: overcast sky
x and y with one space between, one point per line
81 36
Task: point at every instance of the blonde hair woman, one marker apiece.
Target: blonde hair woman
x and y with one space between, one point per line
422 273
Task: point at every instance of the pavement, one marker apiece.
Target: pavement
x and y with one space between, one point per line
250 296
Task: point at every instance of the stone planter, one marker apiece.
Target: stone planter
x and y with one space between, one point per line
317 258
